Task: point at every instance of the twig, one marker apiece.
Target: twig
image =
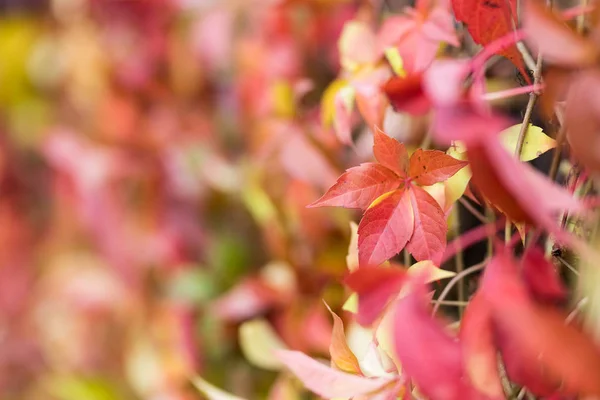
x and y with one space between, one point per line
560 138
457 278
466 204
568 265
525 127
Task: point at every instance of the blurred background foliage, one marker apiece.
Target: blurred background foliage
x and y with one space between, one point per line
156 158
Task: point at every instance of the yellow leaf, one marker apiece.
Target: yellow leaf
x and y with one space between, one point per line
259 342
434 273
456 185
395 59
351 305
212 392
535 144
284 102
328 101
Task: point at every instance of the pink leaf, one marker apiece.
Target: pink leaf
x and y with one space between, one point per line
390 153
359 187
427 353
328 382
428 167
478 346
428 241
385 228
375 287
540 333
551 37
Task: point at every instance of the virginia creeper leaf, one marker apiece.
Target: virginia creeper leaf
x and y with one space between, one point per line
428 241
385 229
390 153
428 167
259 342
430 270
478 347
488 20
328 382
375 287
550 36
341 355
535 143
428 354
359 186
540 332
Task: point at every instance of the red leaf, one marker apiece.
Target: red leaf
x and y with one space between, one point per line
375 287
541 278
428 167
390 153
522 370
502 179
328 382
341 355
406 94
488 20
540 333
428 241
550 36
478 346
582 117
358 187
385 228
427 353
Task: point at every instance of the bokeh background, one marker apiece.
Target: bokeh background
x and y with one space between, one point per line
156 160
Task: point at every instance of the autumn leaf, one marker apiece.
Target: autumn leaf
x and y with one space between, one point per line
428 241
535 142
430 271
539 333
259 342
390 153
417 34
326 381
427 353
433 166
397 210
488 20
479 347
549 35
386 228
359 187
406 94
341 355
375 287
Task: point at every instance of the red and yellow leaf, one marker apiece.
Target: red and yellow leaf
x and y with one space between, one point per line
428 167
